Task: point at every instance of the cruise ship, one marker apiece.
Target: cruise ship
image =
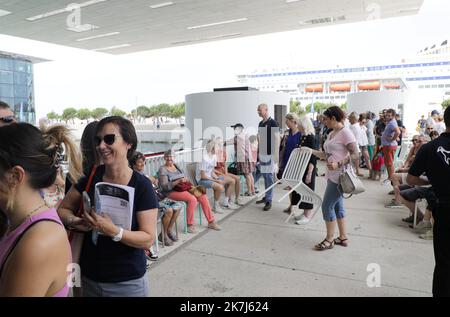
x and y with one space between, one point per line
428 72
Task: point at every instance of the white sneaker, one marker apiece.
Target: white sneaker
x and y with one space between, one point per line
217 209
238 202
303 221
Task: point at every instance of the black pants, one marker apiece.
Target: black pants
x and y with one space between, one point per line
441 244
295 197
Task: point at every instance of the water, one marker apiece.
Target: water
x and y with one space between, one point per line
153 147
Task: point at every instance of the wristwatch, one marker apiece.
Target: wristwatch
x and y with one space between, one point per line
118 236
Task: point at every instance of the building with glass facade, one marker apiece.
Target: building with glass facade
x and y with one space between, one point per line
16 86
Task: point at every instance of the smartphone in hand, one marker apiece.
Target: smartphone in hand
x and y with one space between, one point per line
86 202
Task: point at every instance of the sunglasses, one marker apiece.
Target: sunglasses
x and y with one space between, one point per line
8 119
109 139
415 140
429 128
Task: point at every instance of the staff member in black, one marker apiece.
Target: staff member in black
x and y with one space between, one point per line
433 159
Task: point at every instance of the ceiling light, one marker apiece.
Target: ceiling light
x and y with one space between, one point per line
83 28
69 8
111 47
416 9
217 23
208 38
97 36
161 5
4 12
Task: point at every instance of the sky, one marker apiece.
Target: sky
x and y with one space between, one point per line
77 78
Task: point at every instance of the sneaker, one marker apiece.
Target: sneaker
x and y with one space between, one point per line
267 206
238 202
409 219
386 182
151 256
427 236
214 226
217 209
191 229
303 221
391 193
261 201
422 227
394 204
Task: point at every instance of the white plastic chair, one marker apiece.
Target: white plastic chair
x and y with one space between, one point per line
293 176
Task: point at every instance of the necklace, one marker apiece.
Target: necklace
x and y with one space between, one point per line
28 216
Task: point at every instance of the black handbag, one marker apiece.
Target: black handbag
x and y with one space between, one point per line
232 169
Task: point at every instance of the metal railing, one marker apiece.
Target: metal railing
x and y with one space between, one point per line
181 158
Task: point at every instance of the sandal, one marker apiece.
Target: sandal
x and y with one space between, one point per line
342 242
322 246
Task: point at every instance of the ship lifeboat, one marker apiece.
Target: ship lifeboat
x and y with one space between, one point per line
340 87
371 85
392 86
314 88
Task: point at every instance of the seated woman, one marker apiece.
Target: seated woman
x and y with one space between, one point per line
221 170
209 179
169 209
170 176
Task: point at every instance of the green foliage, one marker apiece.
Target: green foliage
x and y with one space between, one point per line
69 114
143 112
344 106
53 116
318 107
84 114
445 103
117 112
99 113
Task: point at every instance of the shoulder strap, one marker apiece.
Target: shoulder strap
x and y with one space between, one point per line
16 242
88 186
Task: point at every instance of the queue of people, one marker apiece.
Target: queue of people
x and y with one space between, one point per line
113 257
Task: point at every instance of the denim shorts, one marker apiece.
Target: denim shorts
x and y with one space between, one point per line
333 203
207 183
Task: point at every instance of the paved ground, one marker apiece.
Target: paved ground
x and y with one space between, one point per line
257 254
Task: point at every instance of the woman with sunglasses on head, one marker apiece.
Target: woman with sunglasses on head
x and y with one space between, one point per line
34 249
116 265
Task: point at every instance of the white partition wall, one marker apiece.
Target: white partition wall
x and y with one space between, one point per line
411 104
212 113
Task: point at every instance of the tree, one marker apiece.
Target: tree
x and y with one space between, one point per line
84 114
143 112
318 107
294 105
344 106
69 114
445 103
177 111
53 116
99 113
117 112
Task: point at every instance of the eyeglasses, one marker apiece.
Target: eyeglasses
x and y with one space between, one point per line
8 119
109 139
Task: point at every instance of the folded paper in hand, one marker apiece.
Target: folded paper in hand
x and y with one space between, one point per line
116 201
